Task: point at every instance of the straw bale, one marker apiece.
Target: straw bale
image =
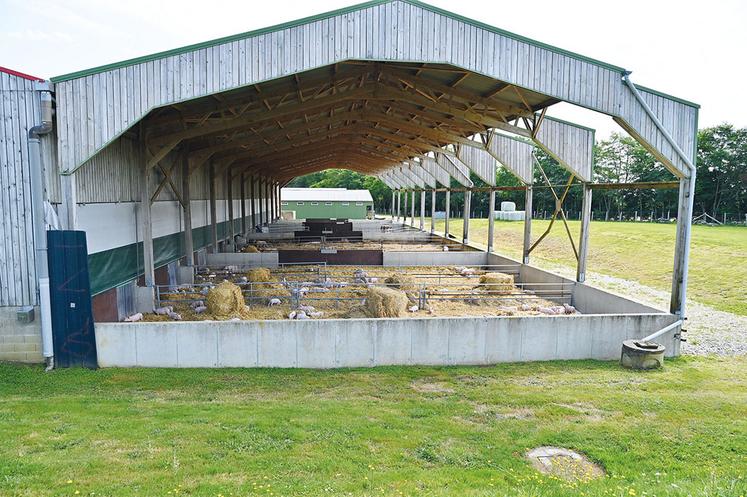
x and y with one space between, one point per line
386 302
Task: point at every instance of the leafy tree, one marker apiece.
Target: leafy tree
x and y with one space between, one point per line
345 178
722 170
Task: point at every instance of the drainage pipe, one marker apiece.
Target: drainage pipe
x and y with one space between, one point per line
662 331
40 229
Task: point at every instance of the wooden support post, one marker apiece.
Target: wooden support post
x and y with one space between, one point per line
412 208
252 204
682 247
213 212
422 210
433 211
491 220
189 247
229 202
404 210
583 244
242 193
465 216
278 204
149 271
69 207
448 213
260 198
271 201
267 202
391 210
399 205
528 194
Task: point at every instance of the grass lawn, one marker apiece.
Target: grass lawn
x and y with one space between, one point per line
387 431
642 252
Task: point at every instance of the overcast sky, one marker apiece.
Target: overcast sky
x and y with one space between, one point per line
690 49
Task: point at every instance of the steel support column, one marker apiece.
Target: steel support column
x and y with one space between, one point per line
583 244
491 220
391 210
528 194
465 215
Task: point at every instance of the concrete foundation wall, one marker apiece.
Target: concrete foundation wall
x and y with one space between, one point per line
435 258
363 342
20 342
265 259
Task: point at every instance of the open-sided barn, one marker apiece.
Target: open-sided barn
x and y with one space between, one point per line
163 158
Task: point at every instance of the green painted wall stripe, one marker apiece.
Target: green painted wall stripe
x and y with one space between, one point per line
318 17
115 267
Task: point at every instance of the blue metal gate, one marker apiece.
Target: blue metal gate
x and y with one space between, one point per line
70 289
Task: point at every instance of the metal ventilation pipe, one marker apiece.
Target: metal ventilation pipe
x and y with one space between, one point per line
40 231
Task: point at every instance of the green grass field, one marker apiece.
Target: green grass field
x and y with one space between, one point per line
642 252
681 431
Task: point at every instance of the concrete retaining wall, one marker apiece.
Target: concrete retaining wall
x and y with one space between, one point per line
435 258
19 342
361 342
264 259
585 298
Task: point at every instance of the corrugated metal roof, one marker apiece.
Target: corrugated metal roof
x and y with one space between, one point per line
327 15
324 195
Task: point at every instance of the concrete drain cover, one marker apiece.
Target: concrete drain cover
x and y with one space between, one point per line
564 463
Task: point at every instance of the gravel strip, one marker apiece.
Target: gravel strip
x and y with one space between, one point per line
709 331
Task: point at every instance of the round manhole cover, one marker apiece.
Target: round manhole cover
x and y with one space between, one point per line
564 463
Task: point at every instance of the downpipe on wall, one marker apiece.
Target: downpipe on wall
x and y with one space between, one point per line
40 230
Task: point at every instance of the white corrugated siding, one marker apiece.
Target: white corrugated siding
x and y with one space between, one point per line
572 146
513 154
480 162
19 111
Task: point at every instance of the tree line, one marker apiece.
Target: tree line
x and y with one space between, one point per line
720 192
